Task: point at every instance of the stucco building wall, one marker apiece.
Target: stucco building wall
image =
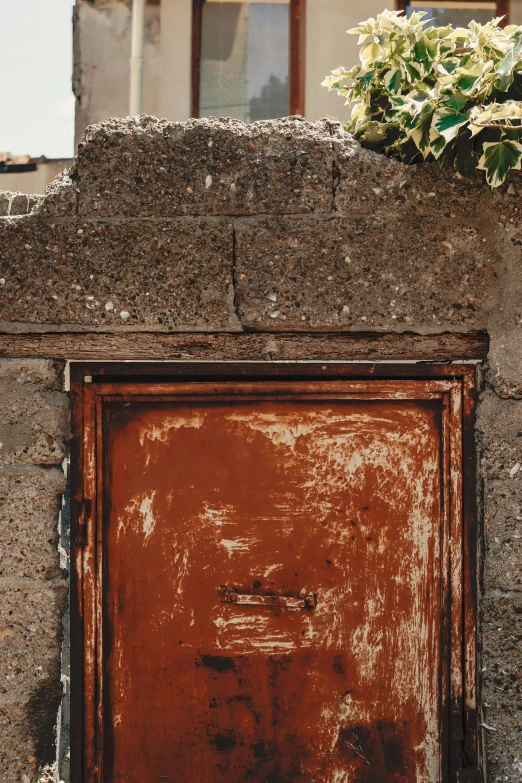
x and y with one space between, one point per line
102 51
30 182
101 61
272 241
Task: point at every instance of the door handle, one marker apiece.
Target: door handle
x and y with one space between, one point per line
280 601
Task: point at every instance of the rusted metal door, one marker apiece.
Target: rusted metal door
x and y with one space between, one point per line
270 578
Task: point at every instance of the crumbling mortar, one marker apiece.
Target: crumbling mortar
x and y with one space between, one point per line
28 328
29 469
336 171
235 281
499 592
481 560
480 381
33 218
73 176
64 708
78 219
23 581
502 395
87 220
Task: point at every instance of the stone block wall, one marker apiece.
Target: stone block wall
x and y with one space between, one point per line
500 439
34 427
162 231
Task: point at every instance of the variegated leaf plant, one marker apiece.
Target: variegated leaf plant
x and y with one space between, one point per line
443 93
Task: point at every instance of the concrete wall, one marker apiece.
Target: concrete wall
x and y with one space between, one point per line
33 591
165 232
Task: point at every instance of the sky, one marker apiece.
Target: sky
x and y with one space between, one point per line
37 104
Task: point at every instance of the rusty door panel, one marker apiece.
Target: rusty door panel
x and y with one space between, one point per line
266 581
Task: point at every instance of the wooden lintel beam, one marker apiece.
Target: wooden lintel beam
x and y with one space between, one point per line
143 346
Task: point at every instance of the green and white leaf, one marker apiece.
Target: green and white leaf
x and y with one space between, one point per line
447 122
435 91
498 158
437 143
421 133
466 79
392 80
502 115
507 65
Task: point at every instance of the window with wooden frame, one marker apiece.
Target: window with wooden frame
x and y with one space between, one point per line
248 58
459 13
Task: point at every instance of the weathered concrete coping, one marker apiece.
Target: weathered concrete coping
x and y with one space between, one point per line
214 225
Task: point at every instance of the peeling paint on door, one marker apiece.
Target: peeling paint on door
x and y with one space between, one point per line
274 573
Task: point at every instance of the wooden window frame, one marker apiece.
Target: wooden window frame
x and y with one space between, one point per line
90 381
297 55
502 8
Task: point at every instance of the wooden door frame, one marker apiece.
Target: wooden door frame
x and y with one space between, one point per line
297 64
91 380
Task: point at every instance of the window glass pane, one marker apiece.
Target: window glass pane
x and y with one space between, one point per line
245 60
457 14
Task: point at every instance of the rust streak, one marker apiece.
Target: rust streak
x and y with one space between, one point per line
265 579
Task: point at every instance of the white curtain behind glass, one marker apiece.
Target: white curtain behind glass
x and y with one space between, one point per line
458 17
245 60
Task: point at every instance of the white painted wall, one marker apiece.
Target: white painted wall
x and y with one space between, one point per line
33 181
175 94
103 49
515 11
102 61
328 46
